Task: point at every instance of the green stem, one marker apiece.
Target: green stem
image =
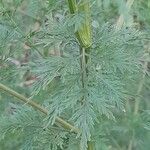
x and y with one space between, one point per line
62 122
84 37
83 67
130 145
84 74
83 34
131 142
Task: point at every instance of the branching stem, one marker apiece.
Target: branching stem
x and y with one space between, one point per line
62 122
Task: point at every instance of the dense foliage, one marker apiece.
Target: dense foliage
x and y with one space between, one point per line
101 93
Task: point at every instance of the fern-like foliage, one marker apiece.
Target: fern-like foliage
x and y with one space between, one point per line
113 64
46 43
28 124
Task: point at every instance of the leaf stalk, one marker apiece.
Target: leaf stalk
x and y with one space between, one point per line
59 120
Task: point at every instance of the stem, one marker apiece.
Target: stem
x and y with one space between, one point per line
63 123
130 146
84 72
83 67
84 37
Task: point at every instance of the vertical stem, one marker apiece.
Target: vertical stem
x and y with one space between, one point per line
130 146
84 38
84 72
83 67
